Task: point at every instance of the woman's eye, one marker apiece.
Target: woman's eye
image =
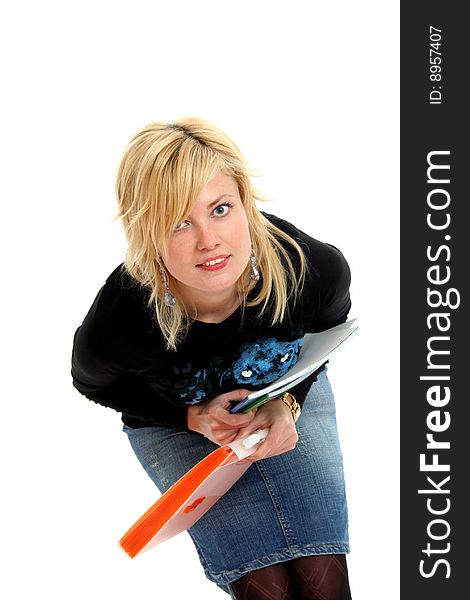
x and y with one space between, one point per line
222 209
180 226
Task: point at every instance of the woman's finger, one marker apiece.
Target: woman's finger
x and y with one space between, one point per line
236 420
281 438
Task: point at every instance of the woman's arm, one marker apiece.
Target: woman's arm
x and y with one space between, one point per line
100 379
134 397
332 303
325 293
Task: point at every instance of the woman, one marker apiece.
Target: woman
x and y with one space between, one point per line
212 301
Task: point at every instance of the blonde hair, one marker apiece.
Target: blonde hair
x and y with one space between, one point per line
162 172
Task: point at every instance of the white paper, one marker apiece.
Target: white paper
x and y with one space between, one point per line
317 348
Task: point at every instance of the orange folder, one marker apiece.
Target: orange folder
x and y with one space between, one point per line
191 496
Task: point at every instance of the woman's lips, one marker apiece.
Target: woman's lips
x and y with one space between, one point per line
218 263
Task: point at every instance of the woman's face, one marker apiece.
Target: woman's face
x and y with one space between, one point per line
209 251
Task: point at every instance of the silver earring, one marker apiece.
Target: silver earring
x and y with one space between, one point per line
254 267
170 300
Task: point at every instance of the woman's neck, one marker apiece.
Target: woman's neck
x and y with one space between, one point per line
213 308
216 310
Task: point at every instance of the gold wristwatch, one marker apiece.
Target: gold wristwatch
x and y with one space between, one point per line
292 403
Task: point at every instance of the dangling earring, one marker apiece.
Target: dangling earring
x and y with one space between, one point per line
170 300
254 267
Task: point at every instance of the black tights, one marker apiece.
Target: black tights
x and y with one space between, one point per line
321 577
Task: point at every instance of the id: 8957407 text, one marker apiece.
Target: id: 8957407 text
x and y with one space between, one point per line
435 68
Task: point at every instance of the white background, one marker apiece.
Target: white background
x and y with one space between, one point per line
309 91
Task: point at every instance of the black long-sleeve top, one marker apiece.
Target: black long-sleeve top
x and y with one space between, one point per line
119 358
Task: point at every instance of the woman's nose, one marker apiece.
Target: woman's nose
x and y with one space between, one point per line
207 238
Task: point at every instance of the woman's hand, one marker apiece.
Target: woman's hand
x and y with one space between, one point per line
282 435
213 420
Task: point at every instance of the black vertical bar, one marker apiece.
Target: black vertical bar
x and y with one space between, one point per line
435 353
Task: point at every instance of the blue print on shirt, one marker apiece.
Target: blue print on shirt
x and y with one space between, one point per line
256 364
263 362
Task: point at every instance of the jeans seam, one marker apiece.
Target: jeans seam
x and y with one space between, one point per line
283 521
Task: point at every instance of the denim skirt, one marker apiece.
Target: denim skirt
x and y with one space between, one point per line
283 507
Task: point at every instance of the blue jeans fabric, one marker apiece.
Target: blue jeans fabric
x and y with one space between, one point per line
283 507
